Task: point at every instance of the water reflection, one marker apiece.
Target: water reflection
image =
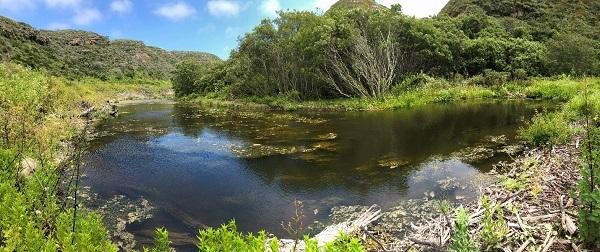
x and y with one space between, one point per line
203 166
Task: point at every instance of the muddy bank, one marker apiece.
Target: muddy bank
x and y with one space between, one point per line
534 193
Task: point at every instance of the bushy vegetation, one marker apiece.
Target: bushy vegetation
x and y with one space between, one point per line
544 129
362 50
37 121
589 184
76 54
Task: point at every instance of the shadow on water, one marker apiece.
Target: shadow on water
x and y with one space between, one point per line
201 166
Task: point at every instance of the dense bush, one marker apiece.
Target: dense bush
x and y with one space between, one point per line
373 51
186 78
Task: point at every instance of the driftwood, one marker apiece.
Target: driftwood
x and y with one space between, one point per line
528 212
333 232
87 112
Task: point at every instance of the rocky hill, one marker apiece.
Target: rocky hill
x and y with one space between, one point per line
76 54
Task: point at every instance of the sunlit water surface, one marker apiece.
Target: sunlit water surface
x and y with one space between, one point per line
202 167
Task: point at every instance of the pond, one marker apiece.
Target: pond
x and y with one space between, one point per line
201 167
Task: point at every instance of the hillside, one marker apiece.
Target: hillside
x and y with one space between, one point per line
75 53
531 10
351 4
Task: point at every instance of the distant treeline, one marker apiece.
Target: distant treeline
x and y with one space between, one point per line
366 52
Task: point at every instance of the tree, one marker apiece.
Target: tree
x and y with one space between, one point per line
367 68
573 54
185 77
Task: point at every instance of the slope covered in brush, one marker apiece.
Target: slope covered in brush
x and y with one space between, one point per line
75 53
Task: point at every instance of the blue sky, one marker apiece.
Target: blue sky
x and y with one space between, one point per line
199 25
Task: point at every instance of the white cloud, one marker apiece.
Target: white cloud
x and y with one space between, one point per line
231 31
417 7
324 4
223 8
121 6
16 5
176 11
270 7
63 3
57 26
86 16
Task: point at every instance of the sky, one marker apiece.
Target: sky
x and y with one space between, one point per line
212 26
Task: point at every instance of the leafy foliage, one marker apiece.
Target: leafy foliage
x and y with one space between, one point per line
305 56
460 241
161 241
589 191
227 238
493 225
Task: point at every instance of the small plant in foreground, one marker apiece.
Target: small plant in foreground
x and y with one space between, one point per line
460 239
494 227
295 227
161 241
589 193
227 238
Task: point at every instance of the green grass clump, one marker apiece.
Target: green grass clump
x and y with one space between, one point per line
546 129
559 90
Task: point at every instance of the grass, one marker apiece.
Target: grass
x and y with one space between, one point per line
562 89
547 129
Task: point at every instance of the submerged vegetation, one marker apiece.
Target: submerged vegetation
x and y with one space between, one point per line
356 56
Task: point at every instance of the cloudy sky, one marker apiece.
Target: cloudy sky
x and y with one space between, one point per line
200 25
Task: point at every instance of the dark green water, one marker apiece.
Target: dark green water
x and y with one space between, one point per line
202 167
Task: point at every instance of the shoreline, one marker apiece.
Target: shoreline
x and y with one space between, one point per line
545 200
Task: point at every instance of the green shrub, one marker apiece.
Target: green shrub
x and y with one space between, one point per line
589 193
161 241
343 244
493 78
544 129
493 225
460 239
186 76
227 238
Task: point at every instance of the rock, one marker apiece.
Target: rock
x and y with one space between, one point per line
28 166
392 163
328 136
